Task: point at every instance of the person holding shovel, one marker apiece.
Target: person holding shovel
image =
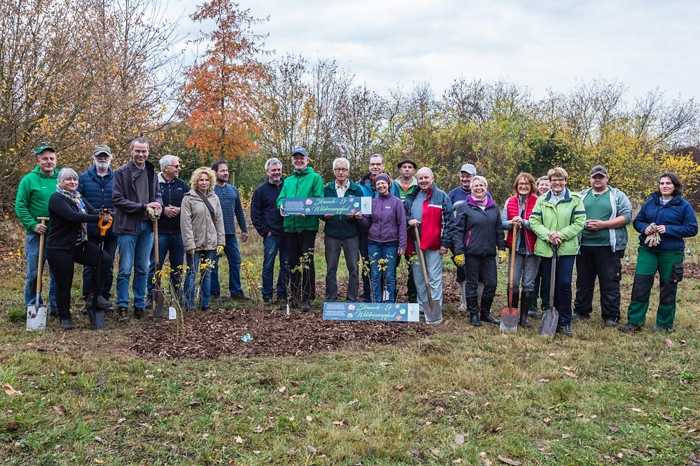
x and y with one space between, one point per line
431 223
32 202
541 288
516 219
203 234
558 219
664 220
68 241
478 234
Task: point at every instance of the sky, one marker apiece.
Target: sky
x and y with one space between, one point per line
537 44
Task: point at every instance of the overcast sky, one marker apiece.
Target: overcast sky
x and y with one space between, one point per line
539 44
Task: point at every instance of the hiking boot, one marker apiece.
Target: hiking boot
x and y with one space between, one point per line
122 313
239 297
630 328
67 324
139 313
306 306
610 323
566 330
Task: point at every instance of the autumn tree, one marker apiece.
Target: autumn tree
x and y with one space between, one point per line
220 92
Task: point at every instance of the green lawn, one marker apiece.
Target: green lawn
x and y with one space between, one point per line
461 396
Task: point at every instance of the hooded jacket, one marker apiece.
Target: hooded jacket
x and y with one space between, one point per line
199 231
479 232
33 194
677 215
301 184
128 211
567 216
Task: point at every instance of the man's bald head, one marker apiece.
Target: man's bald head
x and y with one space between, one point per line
425 178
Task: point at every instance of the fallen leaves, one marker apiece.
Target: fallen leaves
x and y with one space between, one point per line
10 391
510 461
459 439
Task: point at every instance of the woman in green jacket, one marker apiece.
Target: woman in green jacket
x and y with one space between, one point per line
557 219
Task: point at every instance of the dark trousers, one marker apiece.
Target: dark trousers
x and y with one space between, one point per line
481 269
169 246
562 285
271 250
62 262
350 249
411 285
89 272
600 262
542 287
365 267
299 250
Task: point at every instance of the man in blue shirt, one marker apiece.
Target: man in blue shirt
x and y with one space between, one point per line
232 209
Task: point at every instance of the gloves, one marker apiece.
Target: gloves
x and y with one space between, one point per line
653 240
502 256
219 250
458 260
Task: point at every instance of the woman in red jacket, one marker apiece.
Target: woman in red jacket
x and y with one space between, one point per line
516 211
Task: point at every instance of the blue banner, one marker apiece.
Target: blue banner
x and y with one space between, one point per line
328 205
389 312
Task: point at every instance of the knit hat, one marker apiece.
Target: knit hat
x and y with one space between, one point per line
382 177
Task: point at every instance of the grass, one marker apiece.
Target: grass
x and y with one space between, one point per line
461 396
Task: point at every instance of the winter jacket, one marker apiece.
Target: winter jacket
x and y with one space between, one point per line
341 226
512 208
388 220
437 227
478 231
677 215
399 192
301 184
97 191
459 195
567 216
621 205
33 193
264 213
67 222
232 208
199 231
172 193
367 186
129 212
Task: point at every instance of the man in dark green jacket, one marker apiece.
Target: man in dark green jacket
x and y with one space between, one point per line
32 201
300 230
341 232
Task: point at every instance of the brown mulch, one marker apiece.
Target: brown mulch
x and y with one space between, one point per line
214 334
690 270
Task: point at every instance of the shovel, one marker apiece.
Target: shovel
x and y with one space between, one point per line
158 298
511 315
550 318
433 314
37 312
97 315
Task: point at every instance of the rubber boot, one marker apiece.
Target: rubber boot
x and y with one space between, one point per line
486 316
525 297
473 307
516 297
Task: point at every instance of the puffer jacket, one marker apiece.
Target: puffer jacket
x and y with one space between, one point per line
199 231
96 190
478 231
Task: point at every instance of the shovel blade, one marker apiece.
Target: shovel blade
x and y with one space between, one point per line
550 319
158 304
510 316
433 314
36 318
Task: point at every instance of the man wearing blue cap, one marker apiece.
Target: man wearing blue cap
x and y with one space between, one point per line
300 230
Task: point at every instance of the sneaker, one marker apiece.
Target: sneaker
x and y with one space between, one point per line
610 323
663 329
139 313
630 328
566 330
240 297
67 324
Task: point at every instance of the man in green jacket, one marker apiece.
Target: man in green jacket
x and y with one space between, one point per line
557 219
300 230
32 201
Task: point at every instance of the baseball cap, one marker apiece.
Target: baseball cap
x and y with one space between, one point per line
299 150
43 147
468 168
599 170
101 149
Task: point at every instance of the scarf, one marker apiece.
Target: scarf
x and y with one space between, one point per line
75 197
479 202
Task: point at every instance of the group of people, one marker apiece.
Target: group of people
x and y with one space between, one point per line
543 222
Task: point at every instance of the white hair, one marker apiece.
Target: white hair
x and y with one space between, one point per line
341 160
272 162
424 170
167 160
479 179
374 156
67 173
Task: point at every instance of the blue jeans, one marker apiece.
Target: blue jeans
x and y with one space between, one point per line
386 251
134 253
193 263
31 253
233 254
169 244
271 249
562 285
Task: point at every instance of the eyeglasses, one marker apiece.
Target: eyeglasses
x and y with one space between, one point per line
175 166
340 169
